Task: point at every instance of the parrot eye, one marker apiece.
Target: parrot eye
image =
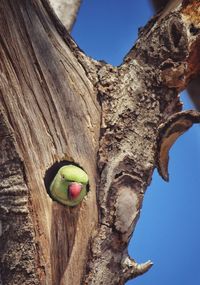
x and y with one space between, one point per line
63 177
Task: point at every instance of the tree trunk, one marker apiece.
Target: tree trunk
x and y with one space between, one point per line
59 106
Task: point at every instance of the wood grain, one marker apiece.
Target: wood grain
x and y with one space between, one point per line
46 96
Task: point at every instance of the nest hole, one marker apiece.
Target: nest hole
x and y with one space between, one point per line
52 171
194 30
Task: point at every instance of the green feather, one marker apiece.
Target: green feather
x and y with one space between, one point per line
60 183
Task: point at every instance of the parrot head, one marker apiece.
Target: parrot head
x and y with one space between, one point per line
69 186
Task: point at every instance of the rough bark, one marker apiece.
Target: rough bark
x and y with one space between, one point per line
66 11
59 105
194 87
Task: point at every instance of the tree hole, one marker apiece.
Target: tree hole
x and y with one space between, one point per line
193 30
52 171
176 30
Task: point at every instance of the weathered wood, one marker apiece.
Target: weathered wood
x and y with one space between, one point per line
136 98
54 115
59 105
66 11
169 132
194 86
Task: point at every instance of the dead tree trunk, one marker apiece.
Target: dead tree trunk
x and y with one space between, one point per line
118 124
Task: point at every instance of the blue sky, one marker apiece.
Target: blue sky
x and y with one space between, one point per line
168 231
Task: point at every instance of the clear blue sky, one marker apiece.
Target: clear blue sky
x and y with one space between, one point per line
168 231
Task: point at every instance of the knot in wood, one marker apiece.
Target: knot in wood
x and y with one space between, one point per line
174 38
127 203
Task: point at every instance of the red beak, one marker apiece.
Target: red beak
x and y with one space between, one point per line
74 190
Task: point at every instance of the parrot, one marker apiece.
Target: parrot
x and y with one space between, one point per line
69 186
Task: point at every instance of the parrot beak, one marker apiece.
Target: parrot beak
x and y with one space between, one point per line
74 190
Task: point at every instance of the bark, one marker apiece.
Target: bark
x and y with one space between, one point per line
194 87
66 11
58 105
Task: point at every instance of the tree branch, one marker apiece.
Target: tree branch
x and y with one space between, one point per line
132 269
194 86
136 98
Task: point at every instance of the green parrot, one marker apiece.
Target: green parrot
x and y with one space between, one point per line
69 185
